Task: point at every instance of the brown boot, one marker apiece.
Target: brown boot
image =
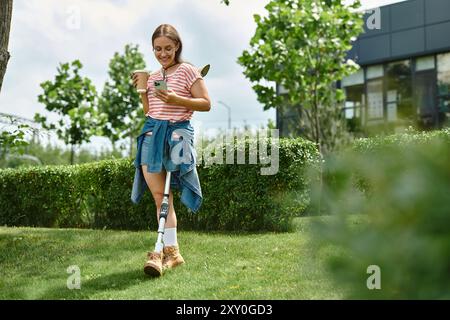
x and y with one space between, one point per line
172 257
153 266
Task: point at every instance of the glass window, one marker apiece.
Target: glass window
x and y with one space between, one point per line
354 100
282 90
443 78
424 98
375 72
375 99
354 79
399 91
392 105
425 63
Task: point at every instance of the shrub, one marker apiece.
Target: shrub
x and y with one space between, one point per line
97 195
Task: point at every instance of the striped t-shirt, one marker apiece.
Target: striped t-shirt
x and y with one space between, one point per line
180 81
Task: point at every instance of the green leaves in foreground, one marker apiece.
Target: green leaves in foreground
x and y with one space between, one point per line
403 190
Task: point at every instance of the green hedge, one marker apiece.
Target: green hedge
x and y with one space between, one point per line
375 148
401 140
97 195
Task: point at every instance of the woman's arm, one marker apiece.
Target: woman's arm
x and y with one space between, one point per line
200 100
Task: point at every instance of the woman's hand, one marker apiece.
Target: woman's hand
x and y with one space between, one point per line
167 96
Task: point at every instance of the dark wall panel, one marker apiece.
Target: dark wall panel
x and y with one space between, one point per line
408 42
374 48
354 52
438 36
408 14
437 11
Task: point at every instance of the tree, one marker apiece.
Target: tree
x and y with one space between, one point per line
302 46
119 100
5 27
13 145
13 139
74 99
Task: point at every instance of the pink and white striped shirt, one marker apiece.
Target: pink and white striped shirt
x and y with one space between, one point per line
180 81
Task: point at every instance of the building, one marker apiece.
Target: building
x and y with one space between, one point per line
405 70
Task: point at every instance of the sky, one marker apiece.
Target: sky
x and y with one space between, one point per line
45 33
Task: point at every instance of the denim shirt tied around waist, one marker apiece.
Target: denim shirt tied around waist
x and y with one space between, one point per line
171 146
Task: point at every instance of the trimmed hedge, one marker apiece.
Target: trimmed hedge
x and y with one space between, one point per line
97 195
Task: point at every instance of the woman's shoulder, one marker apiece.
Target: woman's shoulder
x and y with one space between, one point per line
188 68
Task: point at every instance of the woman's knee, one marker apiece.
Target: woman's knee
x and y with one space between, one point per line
158 197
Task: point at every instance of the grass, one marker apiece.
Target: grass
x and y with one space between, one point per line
34 262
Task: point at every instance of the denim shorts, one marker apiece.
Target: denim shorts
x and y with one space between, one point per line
145 150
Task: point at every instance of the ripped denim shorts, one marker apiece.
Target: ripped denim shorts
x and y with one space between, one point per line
145 150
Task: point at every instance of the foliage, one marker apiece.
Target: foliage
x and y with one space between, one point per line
13 140
302 46
97 195
74 99
119 100
37 153
401 184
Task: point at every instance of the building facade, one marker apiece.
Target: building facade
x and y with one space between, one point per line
405 70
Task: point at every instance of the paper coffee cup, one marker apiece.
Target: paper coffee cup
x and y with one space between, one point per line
142 76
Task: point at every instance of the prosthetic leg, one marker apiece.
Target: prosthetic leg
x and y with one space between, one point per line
163 214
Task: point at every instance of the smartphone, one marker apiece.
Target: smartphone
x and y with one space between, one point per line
160 85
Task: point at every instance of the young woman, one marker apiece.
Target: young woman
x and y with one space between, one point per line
167 126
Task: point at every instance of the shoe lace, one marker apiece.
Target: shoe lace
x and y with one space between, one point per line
154 255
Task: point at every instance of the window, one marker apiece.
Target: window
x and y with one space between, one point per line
354 98
353 79
375 72
425 63
399 91
354 101
374 99
282 90
443 78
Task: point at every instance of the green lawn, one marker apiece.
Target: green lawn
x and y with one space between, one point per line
33 264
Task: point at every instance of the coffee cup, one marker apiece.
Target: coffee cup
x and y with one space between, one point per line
142 78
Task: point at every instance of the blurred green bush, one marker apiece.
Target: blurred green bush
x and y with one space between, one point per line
401 186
